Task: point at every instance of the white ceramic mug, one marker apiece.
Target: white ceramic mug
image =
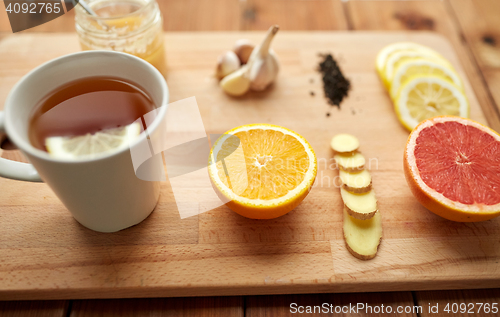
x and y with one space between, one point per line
102 193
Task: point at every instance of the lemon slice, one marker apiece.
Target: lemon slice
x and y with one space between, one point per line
398 58
419 66
384 54
91 145
263 172
423 97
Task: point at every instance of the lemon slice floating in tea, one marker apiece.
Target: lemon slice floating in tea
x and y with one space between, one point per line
90 145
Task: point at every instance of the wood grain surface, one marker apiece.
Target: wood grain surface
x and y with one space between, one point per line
45 253
427 16
34 308
225 15
293 15
156 307
475 23
482 36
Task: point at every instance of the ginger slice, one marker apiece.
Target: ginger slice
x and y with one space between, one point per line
360 182
353 162
362 237
360 206
344 143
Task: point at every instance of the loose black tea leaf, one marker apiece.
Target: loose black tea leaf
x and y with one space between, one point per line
335 85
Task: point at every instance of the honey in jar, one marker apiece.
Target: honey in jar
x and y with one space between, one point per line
130 26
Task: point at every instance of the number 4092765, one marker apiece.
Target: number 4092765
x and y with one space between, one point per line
471 308
32 7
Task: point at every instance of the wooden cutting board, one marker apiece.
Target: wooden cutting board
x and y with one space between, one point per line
46 254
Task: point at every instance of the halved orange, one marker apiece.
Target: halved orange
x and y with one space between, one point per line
263 173
452 166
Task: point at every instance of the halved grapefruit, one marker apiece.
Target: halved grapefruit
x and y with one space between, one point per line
452 166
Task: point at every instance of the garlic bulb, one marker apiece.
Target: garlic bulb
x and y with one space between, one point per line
226 64
260 70
263 63
243 49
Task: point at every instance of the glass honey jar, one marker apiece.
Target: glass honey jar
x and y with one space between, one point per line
130 26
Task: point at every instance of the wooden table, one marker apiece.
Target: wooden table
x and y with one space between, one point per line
471 26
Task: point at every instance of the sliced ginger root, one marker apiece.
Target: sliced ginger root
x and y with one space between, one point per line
362 237
362 221
360 182
360 206
344 143
352 162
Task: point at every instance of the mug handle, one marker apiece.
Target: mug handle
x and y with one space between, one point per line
16 170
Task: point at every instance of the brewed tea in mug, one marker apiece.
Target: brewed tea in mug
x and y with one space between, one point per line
87 106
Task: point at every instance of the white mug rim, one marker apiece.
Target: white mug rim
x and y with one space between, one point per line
26 146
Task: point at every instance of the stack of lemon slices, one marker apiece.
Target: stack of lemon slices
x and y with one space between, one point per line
421 83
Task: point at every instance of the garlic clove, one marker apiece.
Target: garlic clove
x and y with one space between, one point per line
237 83
264 71
226 64
243 49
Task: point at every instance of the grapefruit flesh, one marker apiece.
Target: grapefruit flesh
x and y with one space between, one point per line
452 166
